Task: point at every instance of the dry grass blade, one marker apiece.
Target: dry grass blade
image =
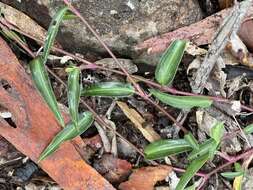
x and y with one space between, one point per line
138 121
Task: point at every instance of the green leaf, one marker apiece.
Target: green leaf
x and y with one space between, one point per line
209 146
74 93
168 65
191 170
42 82
232 175
182 102
192 141
109 89
52 32
217 132
238 167
68 133
162 148
249 129
69 15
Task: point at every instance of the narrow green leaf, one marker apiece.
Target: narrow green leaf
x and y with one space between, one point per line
209 146
42 82
249 129
168 65
69 15
191 170
52 32
181 102
162 148
217 132
192 141
74 93
68 133
109 89
238 167
232 175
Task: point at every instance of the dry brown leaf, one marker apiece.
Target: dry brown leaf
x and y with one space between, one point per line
239 50
138 121
246 32
146 178
22 21
225 3
112 168
194 50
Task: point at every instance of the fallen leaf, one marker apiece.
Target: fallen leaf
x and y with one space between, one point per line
194 50
22 21
138 121
246 32
237 184
112 168
239 50
225 3
146 178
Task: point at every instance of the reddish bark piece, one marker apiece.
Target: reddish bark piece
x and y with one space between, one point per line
4 147
146 178
36 126
200 33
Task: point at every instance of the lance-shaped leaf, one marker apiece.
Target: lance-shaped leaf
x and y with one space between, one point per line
248 129
162 148
192 141
168 65
238 172
209 146
68 133
109 89
217 132
191 170
182 102
52 32
42 82
74 92
232 175
69 15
